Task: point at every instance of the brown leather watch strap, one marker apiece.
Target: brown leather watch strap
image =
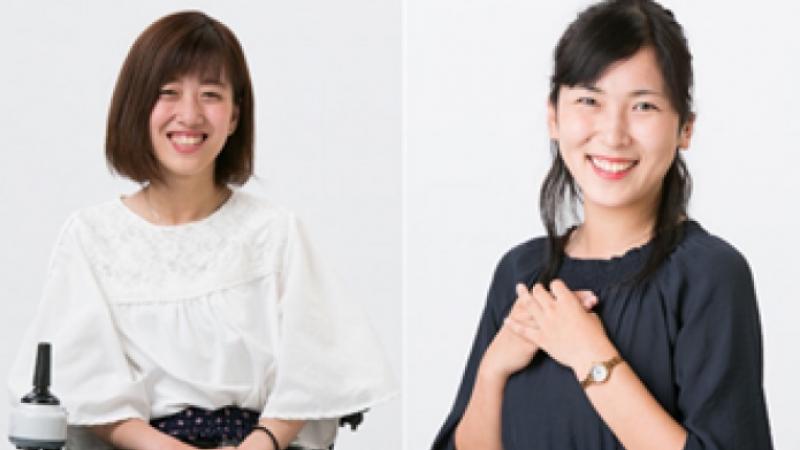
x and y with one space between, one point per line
609 366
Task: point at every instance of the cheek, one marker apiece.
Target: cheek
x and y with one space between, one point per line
575 128
159 116
220 115
658 139
574 132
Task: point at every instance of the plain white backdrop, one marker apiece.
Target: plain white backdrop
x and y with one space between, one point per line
330 81
327 81
477 150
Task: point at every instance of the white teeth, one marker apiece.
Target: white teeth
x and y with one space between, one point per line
612 167
187 140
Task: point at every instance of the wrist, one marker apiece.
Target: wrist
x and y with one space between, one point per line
491 376
257 440
602 352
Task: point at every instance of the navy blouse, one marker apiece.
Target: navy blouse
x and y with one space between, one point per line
691 333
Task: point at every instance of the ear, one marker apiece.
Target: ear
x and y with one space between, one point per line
685 135
234 120
552 121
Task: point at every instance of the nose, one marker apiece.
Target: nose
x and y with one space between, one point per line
614 129
189 112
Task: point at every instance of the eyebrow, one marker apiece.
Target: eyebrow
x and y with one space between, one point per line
208 81
213 82
636 93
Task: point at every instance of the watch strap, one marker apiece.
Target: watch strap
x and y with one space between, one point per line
609 367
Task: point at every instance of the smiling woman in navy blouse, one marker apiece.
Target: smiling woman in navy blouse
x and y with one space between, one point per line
633 327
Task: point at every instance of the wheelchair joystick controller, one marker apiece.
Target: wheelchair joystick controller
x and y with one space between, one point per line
39 422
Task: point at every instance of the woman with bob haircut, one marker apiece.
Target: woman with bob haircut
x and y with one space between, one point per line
190 314
628 325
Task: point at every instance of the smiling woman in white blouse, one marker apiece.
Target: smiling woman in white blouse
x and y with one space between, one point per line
189 314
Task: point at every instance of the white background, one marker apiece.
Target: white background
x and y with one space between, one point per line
327 80
327 77
477 150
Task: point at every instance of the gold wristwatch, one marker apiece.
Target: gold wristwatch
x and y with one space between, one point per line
600 371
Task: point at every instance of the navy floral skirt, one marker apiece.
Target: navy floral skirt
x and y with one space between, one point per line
205 428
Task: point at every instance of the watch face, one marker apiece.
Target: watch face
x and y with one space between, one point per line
599 373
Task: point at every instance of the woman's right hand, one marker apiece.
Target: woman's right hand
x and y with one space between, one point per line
509 352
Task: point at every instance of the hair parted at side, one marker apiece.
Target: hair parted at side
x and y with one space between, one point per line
601 35
184 43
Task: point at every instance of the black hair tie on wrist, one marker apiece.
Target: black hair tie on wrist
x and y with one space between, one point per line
269 433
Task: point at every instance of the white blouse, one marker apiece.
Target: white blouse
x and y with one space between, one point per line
234 309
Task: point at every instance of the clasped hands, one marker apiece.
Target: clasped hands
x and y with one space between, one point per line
558 321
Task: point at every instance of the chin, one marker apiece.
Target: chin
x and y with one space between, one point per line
185 171
608 200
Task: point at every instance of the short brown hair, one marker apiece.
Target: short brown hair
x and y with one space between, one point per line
176 45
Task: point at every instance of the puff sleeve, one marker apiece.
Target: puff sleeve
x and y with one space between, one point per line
718 357
90 373
328 362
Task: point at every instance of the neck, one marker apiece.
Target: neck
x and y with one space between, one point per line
609 232
178 201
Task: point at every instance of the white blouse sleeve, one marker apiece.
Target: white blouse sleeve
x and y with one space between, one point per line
329 363
90 373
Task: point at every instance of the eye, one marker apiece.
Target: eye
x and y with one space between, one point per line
167 92
587 101
212 95
645 106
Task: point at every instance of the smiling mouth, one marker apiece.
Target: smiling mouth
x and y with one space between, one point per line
612 168
187 139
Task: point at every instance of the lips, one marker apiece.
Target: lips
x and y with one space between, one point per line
611 168
186 142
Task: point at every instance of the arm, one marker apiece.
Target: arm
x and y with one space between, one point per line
628 408
577 339
136 434
717 359
480 427
92 373
284 430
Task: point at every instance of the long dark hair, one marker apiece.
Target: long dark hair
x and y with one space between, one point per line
604 33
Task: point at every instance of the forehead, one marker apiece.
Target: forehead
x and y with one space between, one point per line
205 71
639 72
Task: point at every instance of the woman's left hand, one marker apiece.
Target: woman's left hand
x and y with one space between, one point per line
563 328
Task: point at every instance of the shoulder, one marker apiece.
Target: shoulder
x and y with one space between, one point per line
256 212
86 221
525 259
78 231
264 223
703 253
93 215
258 205
521 264
706 272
